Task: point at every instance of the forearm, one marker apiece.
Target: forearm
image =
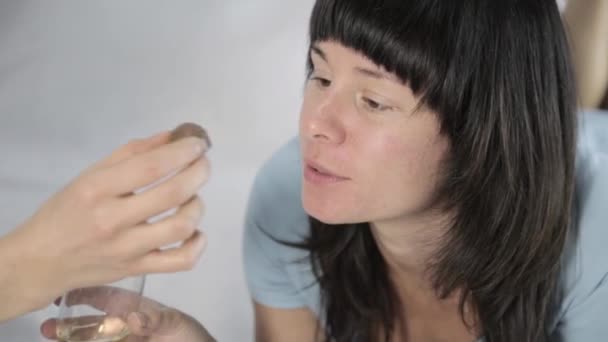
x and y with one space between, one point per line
587 25
20 292
11 303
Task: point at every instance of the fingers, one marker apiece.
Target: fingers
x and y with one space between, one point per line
160 321
48 329
177 259
109 299
167 325
84 328
134 147
146 168
169 194
97 296
178 227
163 322
149 321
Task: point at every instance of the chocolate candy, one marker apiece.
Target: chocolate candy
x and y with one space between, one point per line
190 129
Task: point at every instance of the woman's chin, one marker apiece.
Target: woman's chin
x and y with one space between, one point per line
329 214
320 213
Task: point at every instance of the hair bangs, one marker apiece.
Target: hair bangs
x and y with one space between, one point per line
412 50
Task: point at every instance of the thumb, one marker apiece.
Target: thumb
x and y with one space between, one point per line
49 329
163 322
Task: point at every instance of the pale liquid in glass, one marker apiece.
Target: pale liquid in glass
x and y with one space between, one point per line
102 329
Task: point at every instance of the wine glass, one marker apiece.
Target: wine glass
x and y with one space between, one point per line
99 314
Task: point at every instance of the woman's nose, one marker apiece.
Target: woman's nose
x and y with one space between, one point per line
324 122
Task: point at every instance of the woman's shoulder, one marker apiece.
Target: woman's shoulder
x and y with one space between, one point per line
593 131
279 275
275 201
591 191
586 257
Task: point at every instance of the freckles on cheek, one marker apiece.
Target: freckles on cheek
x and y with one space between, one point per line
400 157
395 150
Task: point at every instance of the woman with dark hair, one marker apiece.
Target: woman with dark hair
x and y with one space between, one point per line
437 154
438 190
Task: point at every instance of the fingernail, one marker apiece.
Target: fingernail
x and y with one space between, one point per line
142 319
199 146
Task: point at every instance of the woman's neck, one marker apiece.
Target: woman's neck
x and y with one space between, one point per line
408 246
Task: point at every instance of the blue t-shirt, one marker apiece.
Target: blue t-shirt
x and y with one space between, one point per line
280 276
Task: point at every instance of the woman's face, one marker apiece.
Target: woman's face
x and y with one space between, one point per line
367 156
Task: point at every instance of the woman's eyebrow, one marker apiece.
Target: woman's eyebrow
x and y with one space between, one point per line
376 74
314 49
371 73
317 50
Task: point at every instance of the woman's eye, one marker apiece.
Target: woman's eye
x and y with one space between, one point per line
322 82
374 106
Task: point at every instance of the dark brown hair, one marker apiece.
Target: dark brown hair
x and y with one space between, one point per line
498 75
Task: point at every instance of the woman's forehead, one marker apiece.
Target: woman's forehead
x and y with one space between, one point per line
336 52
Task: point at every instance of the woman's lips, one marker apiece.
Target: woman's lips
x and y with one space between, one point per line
317 174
